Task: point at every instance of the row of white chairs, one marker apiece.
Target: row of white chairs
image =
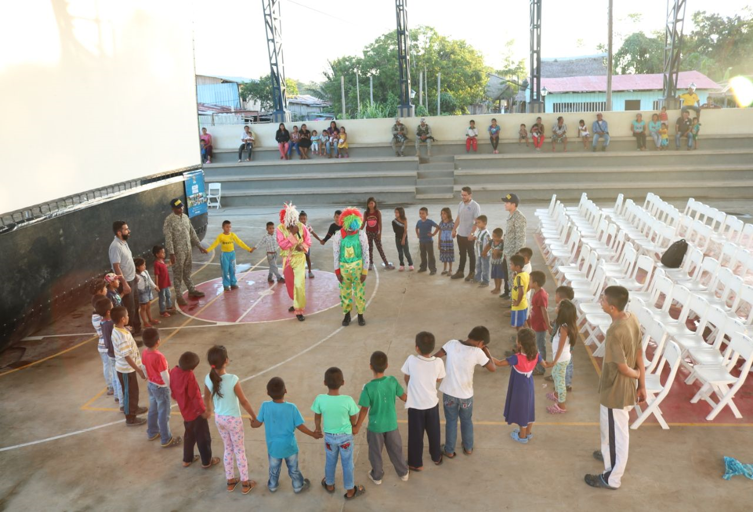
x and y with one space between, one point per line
590 255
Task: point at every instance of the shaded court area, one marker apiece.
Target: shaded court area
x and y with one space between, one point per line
98 463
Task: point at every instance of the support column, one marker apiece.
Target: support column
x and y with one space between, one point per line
535 105
406 109
672 49
273 26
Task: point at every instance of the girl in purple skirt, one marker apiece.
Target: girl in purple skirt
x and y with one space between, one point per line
519 406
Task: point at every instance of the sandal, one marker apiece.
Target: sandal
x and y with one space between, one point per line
232 484
324 484
359 490
213 462
186 464
439 462
555 409
247 486
449 455
416 469
551 396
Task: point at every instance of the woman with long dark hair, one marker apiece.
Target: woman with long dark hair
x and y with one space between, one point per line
373 226
304 143
283 141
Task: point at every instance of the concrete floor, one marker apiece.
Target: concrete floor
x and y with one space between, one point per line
114 468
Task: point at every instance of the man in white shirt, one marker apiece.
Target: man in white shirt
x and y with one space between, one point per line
457 387
121 260
559 133
422 372
468 211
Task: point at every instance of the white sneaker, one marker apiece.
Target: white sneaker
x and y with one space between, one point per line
378 482
405 477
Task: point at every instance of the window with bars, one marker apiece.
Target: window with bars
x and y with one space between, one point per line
582 106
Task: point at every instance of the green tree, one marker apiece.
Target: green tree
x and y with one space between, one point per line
462 68
261 91
717 44
640 54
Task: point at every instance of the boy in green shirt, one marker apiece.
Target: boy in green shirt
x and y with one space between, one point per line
379 396
340 414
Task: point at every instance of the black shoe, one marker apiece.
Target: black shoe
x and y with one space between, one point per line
291 309
433 272
421 270
142 410
281 280
300 318
136 422
598 456
361 321
598 481
457 275
469 278
346 320
233 286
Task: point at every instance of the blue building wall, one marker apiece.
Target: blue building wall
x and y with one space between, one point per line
225 95
595 101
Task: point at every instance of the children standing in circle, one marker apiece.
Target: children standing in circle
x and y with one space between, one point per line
400 227
373 227
446 241
519 405
223 390
564 340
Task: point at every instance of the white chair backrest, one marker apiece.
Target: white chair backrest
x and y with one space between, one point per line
681 295
716 320
684 226
214 189
746 239
671 357
701 235
690 207
627 260
673 217
644 267
662 290
653 331
692 262
708 272
597 283
716 219
744 264
697 305
591 264
741 347
732 229
744 304
552 204
618 204
728 258
729 285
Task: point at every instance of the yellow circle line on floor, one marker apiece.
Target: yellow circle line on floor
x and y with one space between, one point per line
57 354
190 319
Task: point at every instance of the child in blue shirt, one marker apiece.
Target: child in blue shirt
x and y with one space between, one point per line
425 241
280 420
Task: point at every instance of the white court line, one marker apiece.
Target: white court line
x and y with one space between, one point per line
120 422
264 294
204 326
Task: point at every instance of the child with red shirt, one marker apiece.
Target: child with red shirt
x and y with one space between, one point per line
158 385
373 225
539 315
186 392
162 276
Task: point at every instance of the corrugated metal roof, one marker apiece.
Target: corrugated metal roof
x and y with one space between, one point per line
311 101
235 79
225 95
652 82
587 65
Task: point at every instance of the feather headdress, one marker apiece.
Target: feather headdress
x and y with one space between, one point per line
289 215
351 219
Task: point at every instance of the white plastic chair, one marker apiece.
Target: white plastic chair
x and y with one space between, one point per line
577 266
705 354
214 192
731 230
706 277
690 265
656 392
719 380
644 265
547 212
746 239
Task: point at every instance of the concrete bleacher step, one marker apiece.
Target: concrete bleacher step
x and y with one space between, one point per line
314 181
340 195
437 166
298 167
606 159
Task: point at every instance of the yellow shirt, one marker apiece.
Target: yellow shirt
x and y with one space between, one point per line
227 242
688 100
520 286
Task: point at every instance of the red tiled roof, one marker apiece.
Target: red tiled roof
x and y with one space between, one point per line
626 83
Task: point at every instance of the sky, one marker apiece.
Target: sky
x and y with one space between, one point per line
230 37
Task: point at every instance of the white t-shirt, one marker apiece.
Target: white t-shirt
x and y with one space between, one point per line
528 268
565 356
422 386
461 362
471 132
467 214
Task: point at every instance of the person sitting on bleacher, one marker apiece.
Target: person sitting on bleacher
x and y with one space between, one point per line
423 134
399 136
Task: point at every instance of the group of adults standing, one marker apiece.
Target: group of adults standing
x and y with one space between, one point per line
180 237
468 212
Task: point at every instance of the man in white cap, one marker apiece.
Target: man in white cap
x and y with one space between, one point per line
179 237
690 100
423 134
515 233
399 136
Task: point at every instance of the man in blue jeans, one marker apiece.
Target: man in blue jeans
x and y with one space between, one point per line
457 387
683 127
600 129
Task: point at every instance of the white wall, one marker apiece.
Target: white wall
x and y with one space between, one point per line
446 128
122 77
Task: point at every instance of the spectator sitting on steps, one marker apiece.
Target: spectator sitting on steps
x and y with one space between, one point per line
399 136
207 138
691 101
559 134
423 134
683 127
600 129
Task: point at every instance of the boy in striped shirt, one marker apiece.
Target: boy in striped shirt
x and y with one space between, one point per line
128 365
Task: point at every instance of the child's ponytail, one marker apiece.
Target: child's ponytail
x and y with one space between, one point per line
527 340
217 357
568 316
